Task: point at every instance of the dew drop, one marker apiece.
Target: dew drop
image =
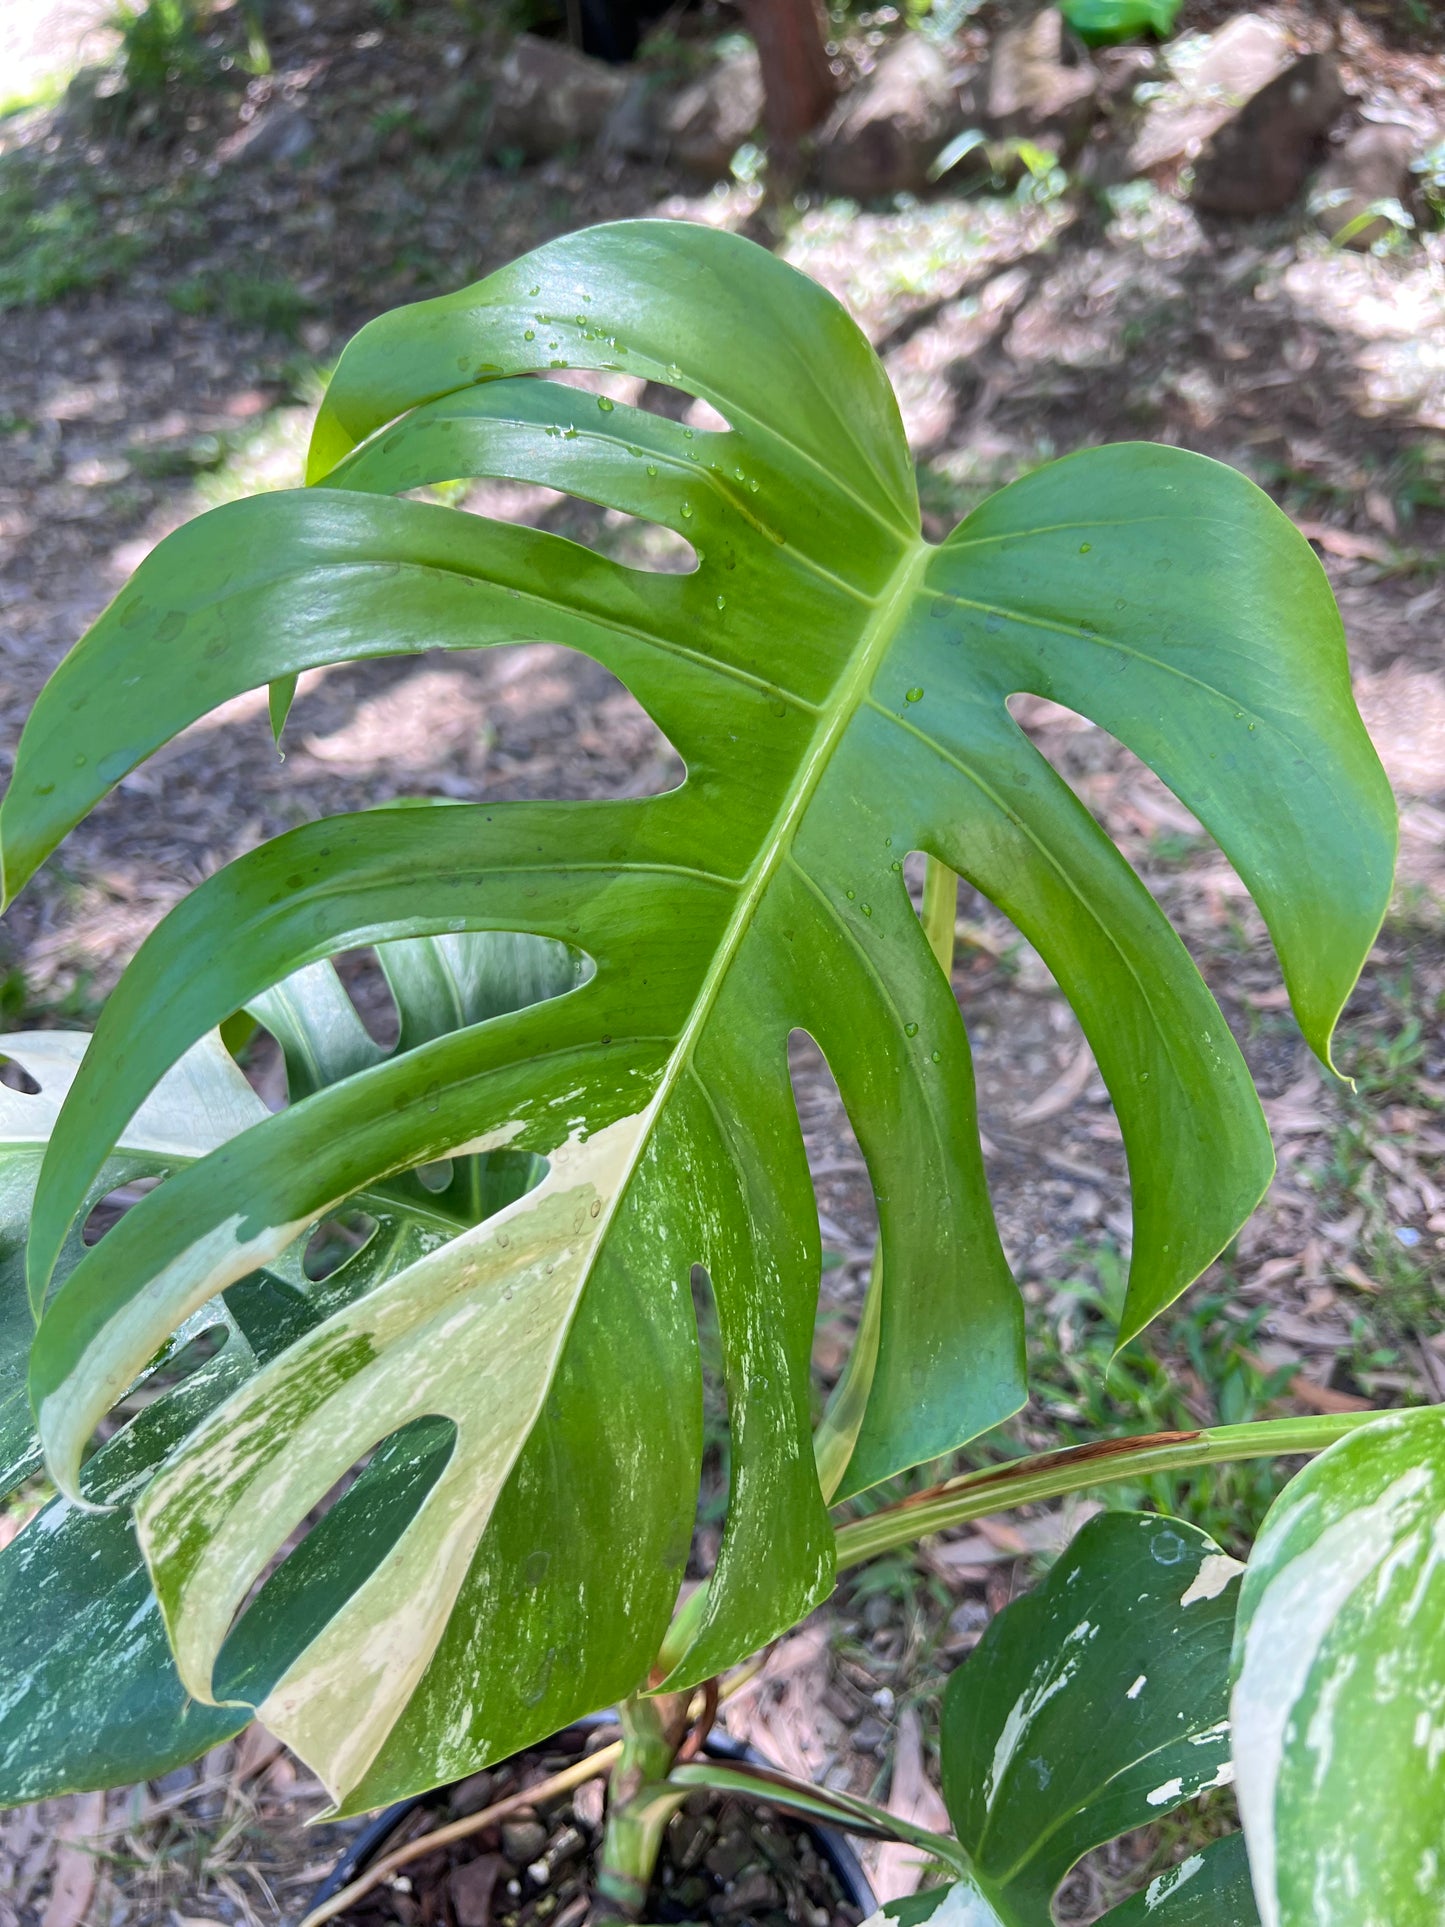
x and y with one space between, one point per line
536 290
687 511
738 475
910 1030
753 484
45 789
914 695
652 468
1120 603
937 1056
1084 547
674 373
606 404
722 602
850 894
866 908
529 334
895 865
687 434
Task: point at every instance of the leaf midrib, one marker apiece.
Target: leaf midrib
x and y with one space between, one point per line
850 695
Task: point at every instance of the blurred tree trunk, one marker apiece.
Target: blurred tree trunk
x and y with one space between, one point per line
799 86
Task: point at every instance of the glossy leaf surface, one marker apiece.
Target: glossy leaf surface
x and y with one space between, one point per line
1094 1705
837 690
1339 1696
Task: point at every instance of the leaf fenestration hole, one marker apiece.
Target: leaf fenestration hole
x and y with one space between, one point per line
330 1553
108 1211
847 1212
335 1242
716 1479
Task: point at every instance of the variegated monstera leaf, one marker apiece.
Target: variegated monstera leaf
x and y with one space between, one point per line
837 688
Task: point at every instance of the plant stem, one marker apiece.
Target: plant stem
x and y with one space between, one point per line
940 912
821 1803
641 1802
1048 1475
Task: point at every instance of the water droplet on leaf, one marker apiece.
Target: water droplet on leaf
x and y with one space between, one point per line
606 404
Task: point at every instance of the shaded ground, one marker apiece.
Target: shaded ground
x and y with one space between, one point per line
176 312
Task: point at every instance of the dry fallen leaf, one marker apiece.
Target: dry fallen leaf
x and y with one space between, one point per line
1065 1090
912 1797
72 1885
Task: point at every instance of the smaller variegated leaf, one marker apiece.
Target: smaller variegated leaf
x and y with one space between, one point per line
1095 1705
1339 1695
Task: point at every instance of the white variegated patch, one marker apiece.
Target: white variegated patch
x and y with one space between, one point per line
199 1103
472 1332
962 1905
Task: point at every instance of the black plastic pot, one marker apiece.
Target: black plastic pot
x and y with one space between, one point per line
371 1842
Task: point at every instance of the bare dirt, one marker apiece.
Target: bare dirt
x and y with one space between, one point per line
1013 332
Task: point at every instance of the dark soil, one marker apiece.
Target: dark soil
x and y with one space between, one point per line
722 1859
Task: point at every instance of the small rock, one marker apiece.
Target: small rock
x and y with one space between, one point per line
878 1612
471 1887
523 1840
883 136
968 1619
728 1858
1259 161
752 1895
1372 166
279 135
471 1795
706 124
1210 81
547 96
1041 81
870 1735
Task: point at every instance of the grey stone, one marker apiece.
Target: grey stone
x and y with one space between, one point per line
1372 166
1259 161
1209 82
276 136
706 123
546 96
523 1840
870 1735
883 136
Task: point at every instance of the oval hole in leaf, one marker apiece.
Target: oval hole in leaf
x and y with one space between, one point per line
108 1211
336 1241
715 1482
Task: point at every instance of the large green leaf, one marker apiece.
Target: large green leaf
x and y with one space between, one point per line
837 690
1095 1705
1339 1696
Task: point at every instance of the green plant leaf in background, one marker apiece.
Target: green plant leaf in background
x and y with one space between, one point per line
1103 23
1094 1705
837 689
1339 1695
198 1105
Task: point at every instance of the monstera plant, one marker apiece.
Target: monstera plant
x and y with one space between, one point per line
589 1097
